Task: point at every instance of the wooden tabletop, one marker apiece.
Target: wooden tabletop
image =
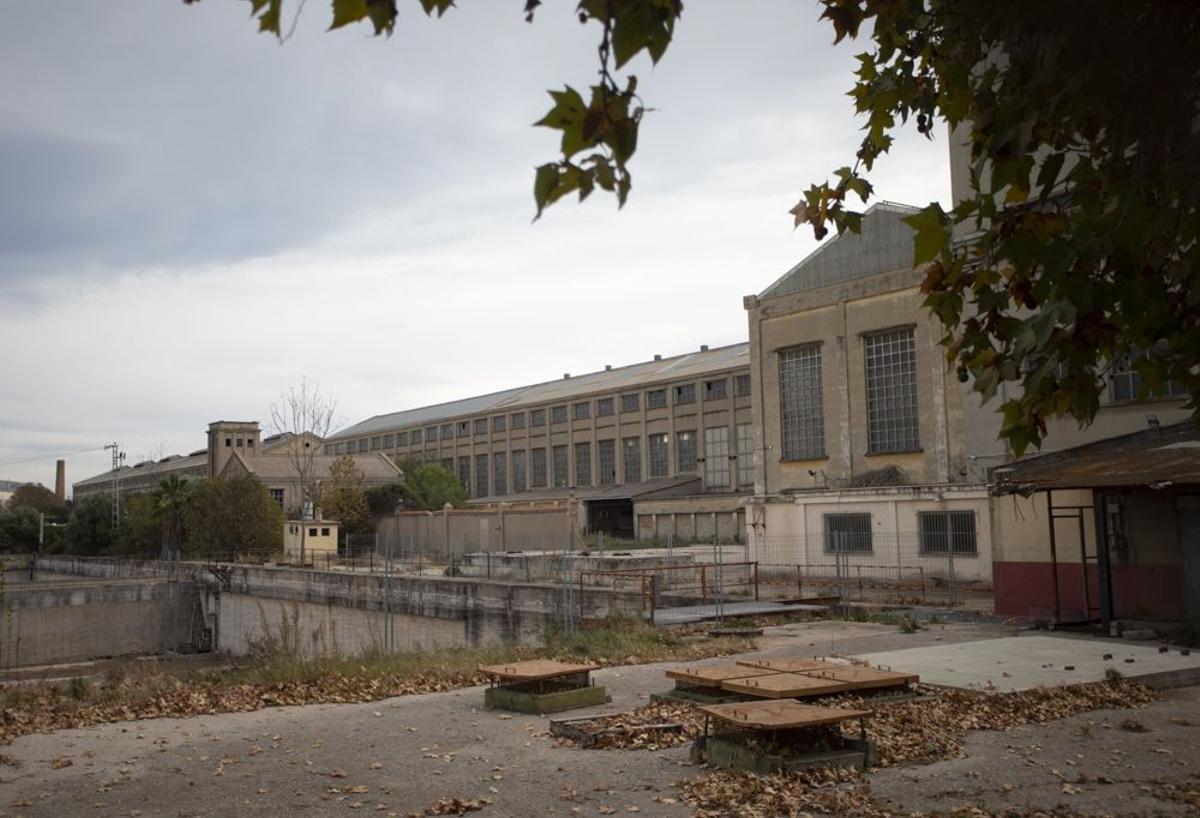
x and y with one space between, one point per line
789 665
714 675
778 715
859 677
785 686
533 670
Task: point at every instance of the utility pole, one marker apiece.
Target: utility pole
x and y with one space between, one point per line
118 459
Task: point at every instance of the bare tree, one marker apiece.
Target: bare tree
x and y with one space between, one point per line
303 411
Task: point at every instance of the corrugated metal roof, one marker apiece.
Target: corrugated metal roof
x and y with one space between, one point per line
885 244
692 364
165 466
1157 458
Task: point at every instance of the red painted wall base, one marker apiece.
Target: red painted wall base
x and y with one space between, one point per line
1139 591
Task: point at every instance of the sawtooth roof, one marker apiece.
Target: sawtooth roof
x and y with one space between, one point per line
885 243
692 364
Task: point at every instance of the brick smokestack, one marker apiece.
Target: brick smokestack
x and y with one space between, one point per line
60 480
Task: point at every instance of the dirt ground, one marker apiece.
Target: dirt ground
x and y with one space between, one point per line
400 756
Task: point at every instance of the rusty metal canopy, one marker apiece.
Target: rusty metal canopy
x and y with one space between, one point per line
790 665
713 675
534 670
1157 458
779 715
864 678
785 686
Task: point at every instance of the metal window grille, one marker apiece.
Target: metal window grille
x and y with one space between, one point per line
416 436
389 441
801 406
630 403
1125 382
464 428
340 448
481 426
583 410
943 532
363 443
481 475
714 390
685 450
537 464
560 467
606 456
402 439
685 393
741 385
659 458
375 442
583 464
500 423
431 434
499 473
745 454
631 450
518 470
537 417
447 432
558 414
892 422
604 407
848 533
464 471
517 421
656 399
277 496
716 456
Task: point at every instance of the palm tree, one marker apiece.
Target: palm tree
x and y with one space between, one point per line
171 497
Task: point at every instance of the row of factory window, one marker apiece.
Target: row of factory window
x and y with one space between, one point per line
682 394
938 533
570 466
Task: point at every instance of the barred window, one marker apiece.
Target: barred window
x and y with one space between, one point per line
892 423
632 456
1125 382
558 414
537 468
944 532
716 456
714 390
481 475
583 410
499 473
416 437
685 393
464 428
583 464
431 434
604 407
389 441
499 423
685 450
481 426
560 467
537 417
802 412
517 421
328 449
606 455
848 533
402 439
375 442
464 471
518 470
659 462
339 448
741 385
447 431
745 454
656 399
448 464
630 403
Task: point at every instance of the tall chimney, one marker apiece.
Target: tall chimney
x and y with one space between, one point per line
60 480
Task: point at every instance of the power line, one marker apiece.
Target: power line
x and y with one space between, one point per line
50 455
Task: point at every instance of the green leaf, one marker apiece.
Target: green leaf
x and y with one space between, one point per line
346 12
931 233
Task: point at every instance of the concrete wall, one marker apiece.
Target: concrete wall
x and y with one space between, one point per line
691 519
445 534
69 620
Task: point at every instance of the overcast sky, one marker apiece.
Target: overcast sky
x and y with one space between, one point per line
193 217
